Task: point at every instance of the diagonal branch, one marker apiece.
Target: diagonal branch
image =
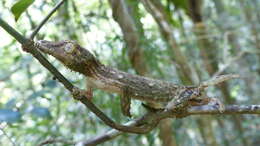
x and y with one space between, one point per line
46 19
31 48
7 136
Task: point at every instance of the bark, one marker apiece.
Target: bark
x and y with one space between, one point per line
232 38
156 9
249 17
252 22
130 34
185 72
166 135
33 50
224 138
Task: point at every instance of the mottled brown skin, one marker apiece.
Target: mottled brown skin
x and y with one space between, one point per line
156 92
105 78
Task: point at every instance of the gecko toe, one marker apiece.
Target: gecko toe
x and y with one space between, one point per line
219 105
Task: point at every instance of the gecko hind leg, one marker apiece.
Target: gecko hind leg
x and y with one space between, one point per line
208 101
125 103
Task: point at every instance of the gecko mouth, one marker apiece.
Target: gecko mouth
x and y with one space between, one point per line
52 48
51 44
45 46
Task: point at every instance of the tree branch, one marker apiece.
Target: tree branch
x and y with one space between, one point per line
54 140
231 109
205 110
7 136
12 31
31 48
143 124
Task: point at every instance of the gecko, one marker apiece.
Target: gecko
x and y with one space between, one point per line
158 94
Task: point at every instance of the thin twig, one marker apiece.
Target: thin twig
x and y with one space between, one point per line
8 137
145 124
31 48
53 140
46 19
33 25
234 59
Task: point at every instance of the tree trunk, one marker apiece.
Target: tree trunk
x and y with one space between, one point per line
132 36
186 73
208 53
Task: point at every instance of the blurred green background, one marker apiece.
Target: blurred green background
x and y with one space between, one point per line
182 41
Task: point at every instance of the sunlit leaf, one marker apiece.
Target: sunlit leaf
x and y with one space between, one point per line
19 7
17 58
9 116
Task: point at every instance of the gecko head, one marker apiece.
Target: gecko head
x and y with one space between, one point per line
69 53
64 51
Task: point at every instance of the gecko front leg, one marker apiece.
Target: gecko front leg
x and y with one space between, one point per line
208 101
180 100
77 93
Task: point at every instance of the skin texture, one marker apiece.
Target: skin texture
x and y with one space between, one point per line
159 94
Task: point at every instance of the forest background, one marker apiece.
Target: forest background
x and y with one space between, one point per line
182 41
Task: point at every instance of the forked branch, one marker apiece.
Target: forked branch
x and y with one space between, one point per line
37 29
32 49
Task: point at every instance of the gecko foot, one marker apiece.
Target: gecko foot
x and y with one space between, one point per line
89 93
79 93
27 45
218 103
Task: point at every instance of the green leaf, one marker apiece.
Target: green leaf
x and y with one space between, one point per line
19 7
181 4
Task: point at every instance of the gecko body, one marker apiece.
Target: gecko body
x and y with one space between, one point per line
157 93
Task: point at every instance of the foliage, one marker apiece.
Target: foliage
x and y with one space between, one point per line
35 107
19 7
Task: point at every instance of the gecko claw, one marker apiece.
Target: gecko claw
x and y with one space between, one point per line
79 93
76 93
219 105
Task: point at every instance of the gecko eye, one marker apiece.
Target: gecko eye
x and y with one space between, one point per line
69 48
